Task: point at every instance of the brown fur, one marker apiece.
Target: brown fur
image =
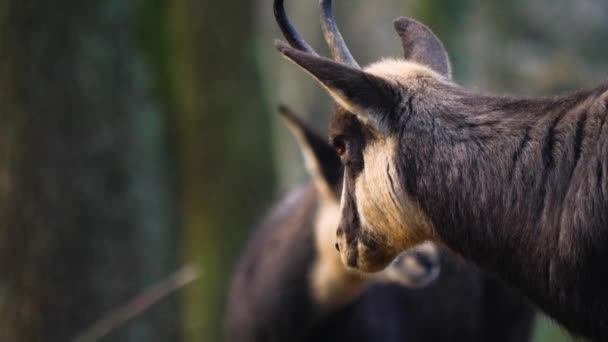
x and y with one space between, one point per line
517 185
332 284
291 286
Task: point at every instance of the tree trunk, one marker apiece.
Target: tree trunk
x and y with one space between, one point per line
81 231
223 143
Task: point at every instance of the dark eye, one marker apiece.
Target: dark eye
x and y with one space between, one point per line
339 144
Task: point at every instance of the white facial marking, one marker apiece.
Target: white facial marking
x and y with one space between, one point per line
385 210
333 285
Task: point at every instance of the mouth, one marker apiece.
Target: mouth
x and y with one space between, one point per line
362 252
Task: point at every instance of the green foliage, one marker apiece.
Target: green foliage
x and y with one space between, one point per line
547 331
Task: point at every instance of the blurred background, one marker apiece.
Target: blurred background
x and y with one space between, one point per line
139 141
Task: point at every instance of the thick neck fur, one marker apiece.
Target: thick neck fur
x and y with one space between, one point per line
520 187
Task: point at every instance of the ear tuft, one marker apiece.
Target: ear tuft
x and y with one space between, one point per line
422 46
282 46
285 111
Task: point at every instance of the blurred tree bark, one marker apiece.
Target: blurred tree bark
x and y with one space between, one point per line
223 143
84 198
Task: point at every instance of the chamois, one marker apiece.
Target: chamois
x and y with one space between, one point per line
290 284
517 185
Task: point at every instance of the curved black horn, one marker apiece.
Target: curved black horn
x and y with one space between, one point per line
289 32
332 35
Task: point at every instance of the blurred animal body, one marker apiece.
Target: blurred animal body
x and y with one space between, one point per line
291 285
517 185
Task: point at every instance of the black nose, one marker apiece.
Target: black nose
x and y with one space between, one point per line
337 247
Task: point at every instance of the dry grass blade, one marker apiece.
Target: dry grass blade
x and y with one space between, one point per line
139 304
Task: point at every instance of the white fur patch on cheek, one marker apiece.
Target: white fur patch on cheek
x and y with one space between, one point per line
384 209
377 213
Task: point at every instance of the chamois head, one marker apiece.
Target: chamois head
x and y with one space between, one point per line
416 267
373 106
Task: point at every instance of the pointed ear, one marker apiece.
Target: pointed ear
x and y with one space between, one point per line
322 161
367 96
422 46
